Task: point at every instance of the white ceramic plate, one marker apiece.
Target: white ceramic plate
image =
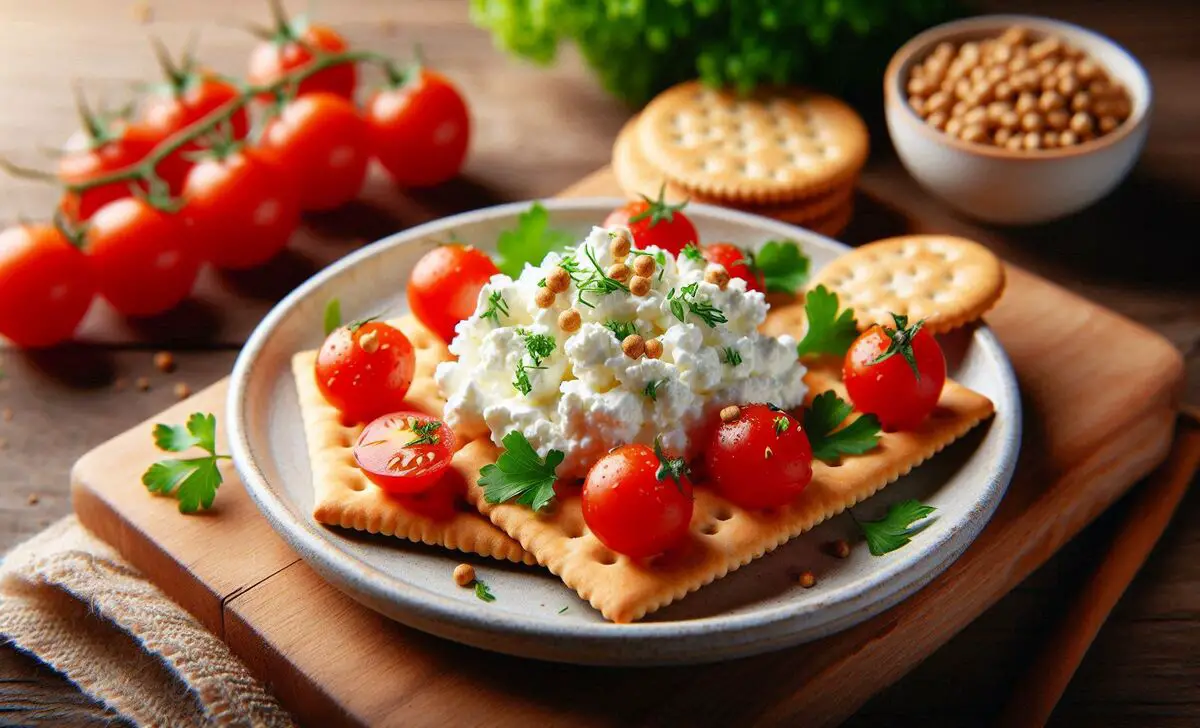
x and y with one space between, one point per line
755 609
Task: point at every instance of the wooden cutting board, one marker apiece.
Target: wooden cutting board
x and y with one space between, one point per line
1095 423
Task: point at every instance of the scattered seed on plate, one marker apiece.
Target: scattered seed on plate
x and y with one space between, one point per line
33 499
839 548
164 361
807 580
182 390
7 414
143 383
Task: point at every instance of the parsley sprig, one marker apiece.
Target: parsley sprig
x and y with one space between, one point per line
482 592
529 242
822 420
828 331
496 306
193 481
426 432
520 475
901 339
686 301
782 264
896 528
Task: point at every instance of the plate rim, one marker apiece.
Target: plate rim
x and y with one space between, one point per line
755 631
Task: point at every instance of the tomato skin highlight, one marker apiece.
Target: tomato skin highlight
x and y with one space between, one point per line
365 379
168 114
83 162
420 131
46 286
736 264
242 210
384 456
271 59
444 286
889 390
672 236
144 260
323 142
629 509
755 465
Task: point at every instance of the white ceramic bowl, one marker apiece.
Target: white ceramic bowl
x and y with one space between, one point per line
1006 187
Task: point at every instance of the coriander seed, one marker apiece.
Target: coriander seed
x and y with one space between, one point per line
570 320
717 275
730 413
644 265
621 244
558 280
633 346
164 362
182 390
464 574
840 548
807 580
618 272
544 298
639 285
654 348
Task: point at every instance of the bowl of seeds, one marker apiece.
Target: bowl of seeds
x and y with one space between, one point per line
1016 119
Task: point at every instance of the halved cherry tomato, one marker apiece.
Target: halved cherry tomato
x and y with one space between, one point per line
324 143
896 374
46 286
404 452
655 222
86 159
143 258
198 95
364 370
242 209
293 47
736 263
420 129
762 459
630 508
443 288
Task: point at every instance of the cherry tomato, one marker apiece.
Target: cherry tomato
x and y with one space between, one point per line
166 114
46 286
443 288
404 452
762 459
630 508
323 141
271 59
144 260
654 222
736 263
419 130
242 209
365 370
87 159
895 374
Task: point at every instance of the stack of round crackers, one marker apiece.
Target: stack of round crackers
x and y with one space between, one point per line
789 154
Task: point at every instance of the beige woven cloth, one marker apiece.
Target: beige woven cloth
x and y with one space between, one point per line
75 604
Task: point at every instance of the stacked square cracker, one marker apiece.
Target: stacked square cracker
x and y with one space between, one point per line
790 154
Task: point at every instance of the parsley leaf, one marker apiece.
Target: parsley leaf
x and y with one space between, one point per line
651 389
827 412
783 264
532 239
333 316
895 529
691 252
482 592
521 383
730 356
193 481
520 475
496 306
828 332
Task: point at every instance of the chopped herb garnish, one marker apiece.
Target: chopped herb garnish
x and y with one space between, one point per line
520 475
193 481
828 331
522 383
731 356
496 306
621 329
691 252
668 467
821 420
563 610
539 347
685 301
651 389
482 592
598 282
782 423
426 432
895 529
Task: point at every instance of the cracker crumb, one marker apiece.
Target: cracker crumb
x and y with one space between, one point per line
807 580
464 574
143 383
33 499
182 390
164 361
7 414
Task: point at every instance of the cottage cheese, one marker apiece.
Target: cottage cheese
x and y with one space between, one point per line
590 396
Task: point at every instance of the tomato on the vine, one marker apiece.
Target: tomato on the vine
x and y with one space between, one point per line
241 208
655 222
324 143
144 260
420 129
736 263
444 286
99 152
197 96
896 374
292 46
760 459
404 452
638 501
364 370
46 286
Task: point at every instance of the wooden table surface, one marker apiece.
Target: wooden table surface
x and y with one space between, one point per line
537 130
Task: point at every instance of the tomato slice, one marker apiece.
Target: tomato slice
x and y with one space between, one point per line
404 452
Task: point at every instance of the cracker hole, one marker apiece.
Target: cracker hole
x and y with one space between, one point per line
710 529
943 413
573 530
723 514
357 485
604 557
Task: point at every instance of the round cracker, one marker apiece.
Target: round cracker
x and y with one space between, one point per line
638 177
770 147
947 281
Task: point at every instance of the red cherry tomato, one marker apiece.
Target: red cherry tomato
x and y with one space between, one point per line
365 371
443 288
890 389
630 509
760 460
86 160
241 209
419 130
166 114
271 59
46 286
736 263
144 260
654 222
323 141
404 452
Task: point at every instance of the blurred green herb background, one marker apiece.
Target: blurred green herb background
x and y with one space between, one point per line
639 47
